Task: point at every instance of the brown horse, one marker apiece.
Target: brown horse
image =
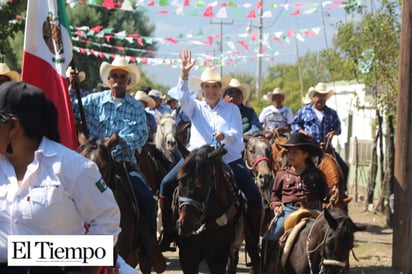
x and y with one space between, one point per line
258 159
320 245
135 243
153 164
208 211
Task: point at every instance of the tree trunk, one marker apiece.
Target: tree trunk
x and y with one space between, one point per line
402 218
373 170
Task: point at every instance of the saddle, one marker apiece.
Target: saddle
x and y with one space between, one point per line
295 217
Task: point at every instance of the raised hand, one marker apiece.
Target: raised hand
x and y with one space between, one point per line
187 63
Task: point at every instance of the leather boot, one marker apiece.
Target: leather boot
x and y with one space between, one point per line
252 229
169 232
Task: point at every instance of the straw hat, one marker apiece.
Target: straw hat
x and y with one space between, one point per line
304 142
276 91
157 94
244 88
209 75
81 74
5 70
306 100
120 63
320 88
142 96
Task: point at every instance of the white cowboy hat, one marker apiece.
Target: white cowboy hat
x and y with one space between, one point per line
209 75
306 100
320 88
142 96
5 70
120 63
244 88
156 93
81 74
276 91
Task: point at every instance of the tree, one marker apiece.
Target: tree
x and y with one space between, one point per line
112 23
374 60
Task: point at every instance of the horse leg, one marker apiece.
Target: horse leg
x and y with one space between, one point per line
232 262
189 254
252 229
168 233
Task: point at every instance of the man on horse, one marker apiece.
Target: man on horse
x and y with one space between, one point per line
277 117
320 122
214 119
114 111
238 94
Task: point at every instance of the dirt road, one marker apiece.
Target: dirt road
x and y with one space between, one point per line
373 247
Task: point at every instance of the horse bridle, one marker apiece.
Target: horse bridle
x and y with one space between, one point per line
256 162
203 206
324 262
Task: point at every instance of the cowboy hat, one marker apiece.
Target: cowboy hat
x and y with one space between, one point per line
120 63
157 94
306 100
81 74
5 70
235 84
304 142
209 75
276 91
320 88
142 96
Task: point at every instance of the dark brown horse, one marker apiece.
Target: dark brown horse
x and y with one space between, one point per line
153 164
208 211
320 245
135 244
258 159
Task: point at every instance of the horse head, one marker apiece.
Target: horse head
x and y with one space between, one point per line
278 153
258 159
165 137
96 150
199 176
338 241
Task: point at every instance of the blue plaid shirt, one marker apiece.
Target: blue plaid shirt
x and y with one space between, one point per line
307 120
103 119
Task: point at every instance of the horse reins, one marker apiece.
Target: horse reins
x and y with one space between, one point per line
324 261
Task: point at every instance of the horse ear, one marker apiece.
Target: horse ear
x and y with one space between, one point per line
217 152
174 112
246 138
182 149
329 218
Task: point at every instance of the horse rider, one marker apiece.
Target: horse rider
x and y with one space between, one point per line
159 107
8 75
320 122
300 183
74 78
114 111
277 117
214 119
238 94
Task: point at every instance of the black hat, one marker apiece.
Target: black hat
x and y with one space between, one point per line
20 98
304 142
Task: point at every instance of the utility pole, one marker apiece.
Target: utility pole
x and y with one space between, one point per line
402 218
259 53
221 23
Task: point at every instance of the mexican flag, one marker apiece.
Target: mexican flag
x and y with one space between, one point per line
46 55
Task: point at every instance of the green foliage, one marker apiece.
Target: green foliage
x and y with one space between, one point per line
10 25
373 60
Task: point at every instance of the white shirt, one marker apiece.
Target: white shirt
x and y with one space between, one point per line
57 196
272 117
224 117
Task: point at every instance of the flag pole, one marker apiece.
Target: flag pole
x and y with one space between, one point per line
83 124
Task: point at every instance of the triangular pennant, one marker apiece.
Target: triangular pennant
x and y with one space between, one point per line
252 14
221 13
163 3
108 4
200 3
208 12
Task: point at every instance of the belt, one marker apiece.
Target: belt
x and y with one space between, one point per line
307 204
5 269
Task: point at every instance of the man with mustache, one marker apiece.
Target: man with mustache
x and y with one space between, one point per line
115 111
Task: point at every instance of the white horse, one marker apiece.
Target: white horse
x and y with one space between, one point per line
165 137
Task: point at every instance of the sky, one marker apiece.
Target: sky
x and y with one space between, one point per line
292 29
